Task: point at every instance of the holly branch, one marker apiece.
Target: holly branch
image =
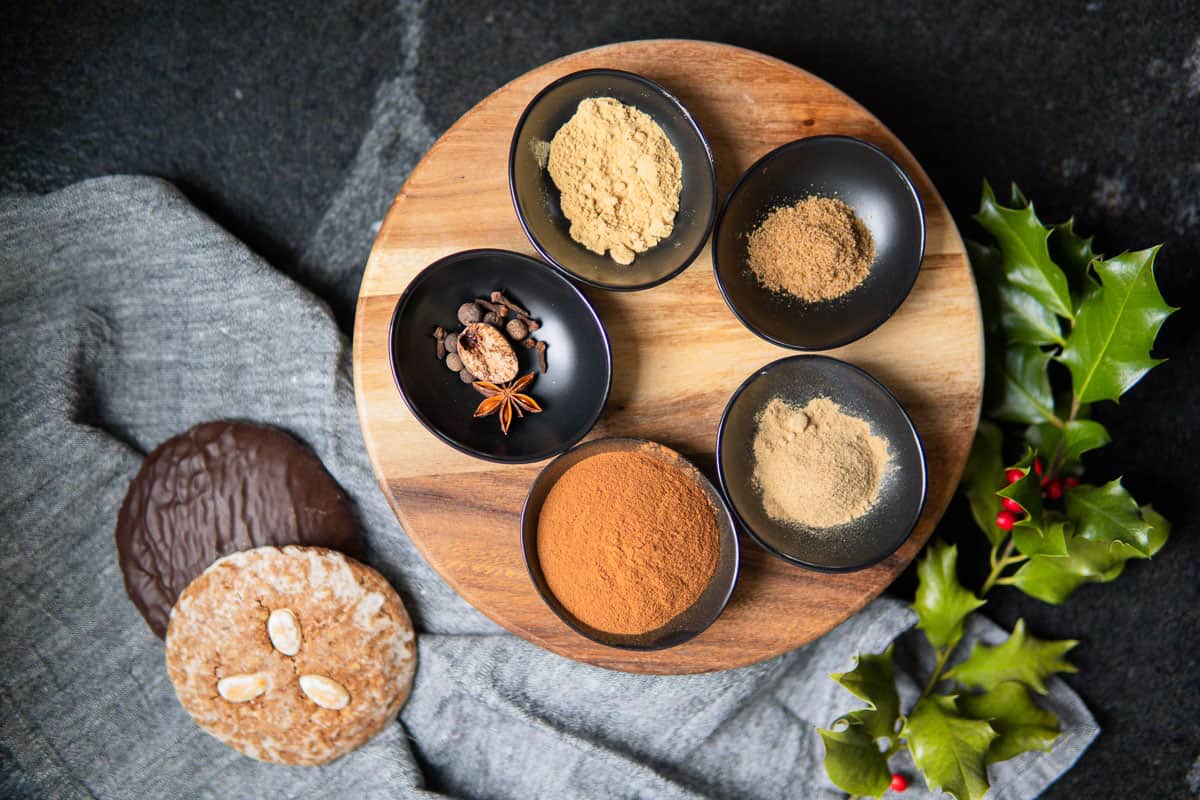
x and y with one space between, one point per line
1064 329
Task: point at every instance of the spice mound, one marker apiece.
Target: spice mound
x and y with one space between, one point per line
817 466
627 541
815 250
619 177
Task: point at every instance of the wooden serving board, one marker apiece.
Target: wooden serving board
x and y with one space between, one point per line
678 354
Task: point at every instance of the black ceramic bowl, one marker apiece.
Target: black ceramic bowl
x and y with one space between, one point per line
537 199
691 622
880 193
579 370
863 541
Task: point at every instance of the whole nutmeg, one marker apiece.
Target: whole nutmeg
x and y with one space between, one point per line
517 329
451 343
487 354
468 313
453 362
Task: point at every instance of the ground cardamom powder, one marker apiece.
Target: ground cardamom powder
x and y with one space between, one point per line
817 466
816 250
619 178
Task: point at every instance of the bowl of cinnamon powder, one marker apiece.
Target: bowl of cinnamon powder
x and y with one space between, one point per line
819 242
612 179
629 544
821 464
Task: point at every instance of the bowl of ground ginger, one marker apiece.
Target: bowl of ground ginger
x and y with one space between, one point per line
821 464
629 544
819 242
612 179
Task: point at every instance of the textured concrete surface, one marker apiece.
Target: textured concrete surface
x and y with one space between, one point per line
269 116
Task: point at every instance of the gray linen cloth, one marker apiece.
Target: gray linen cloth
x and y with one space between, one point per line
129 316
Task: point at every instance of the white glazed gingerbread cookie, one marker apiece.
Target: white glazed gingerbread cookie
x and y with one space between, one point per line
293 655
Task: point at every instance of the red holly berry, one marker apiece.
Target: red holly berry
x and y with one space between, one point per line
899 782
1013 475
1037 466
1011 505
1071 482
1005 520
1054 489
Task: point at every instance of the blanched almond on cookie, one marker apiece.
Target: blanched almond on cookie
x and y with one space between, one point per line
242 688
325 692
284 631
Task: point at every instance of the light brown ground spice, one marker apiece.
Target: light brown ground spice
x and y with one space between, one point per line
817 466
627 541
815 250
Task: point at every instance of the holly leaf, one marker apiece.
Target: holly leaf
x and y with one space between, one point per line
1107 514
1050 540
1053 579
872 680
1027 491
1021 657
949 748
1076 438
1108 349
941 602
1021 725
1074 255
983 476
1160 529
1021 390
854 762
1025 256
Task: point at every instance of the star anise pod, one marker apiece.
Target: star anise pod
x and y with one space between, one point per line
506 399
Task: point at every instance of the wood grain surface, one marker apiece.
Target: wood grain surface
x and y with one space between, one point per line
678 354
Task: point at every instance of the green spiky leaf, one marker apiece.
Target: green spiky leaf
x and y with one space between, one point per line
1049 540
1160 529
941 602
1021 657
1108 349
983 476
1022 726
1076 437
872 680
950 748
1074 255
1021 392
854 762
1027 492
1107 514
1025 255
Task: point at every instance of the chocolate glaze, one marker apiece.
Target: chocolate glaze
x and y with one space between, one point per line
219 488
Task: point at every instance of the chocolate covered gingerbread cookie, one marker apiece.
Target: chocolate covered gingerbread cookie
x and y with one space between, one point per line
216 489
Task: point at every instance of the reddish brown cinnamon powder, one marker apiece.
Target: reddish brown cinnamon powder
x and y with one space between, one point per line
627 541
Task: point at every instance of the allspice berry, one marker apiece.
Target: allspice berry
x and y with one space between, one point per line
466 377
517 329
468 313
451 343
492 318
453 362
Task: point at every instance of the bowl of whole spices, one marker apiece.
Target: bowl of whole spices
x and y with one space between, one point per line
821 464
612 179
500 356
819 242
629 544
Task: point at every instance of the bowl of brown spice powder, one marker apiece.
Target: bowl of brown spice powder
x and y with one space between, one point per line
612 179
629 544
821 464
819 242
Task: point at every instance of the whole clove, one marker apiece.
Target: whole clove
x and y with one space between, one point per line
491 318
439 333
498 297
541 354
529 343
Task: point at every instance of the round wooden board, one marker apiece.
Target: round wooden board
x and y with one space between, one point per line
678 354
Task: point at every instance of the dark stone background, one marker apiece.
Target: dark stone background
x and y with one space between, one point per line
256 110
